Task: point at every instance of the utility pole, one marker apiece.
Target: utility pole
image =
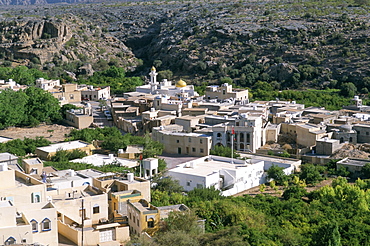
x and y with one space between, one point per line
232 144
82 224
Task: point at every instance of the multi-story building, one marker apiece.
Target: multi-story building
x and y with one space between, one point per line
27 215
225 92
248 134
176 141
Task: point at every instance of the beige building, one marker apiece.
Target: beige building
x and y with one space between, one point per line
176 141
226 91
304 134
80 118
26 216
68 93
47 152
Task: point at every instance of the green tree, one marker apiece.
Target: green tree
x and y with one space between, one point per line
365 171
348 89
311 173
223 151
275 172
41 107
167 184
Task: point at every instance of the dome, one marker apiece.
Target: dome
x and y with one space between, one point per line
180 83
153 69
346 128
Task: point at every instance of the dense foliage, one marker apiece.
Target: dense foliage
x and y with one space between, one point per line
115 78
332 215
23 147
28 107
112 139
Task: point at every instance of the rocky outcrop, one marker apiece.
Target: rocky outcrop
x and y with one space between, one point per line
40 39
61 40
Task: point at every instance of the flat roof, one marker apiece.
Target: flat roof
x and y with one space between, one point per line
4 139
33 161
100 160
64 146
4 204
7 157
206 168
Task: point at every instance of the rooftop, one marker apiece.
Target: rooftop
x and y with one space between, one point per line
7 157
64 146
100 160
209 166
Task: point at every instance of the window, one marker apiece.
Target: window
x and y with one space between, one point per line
201 141
151 223
367 133
219 135
193 149
35 197
199 186
94 96
71 96
358 132
177 141
96 209
83 213
201 150
189 140
188 183
10 241
34 226
46 225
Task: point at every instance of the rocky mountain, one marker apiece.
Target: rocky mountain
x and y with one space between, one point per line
288 44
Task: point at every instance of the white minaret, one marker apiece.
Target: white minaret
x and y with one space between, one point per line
153 76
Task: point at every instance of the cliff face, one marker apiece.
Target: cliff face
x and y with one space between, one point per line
33 38
61 40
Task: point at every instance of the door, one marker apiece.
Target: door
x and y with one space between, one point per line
107 235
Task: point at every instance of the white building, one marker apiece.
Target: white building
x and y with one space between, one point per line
46 84
101 160
230 176
249 133
180 89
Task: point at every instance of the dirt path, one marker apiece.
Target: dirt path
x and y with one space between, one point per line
54 133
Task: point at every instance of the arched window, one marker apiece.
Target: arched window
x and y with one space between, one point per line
10 241
341 140
46 225
248 138
219 135
36 197
34 225
350 139
151 223
241 137
241 146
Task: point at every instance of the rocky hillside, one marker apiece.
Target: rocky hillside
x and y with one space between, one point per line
288 44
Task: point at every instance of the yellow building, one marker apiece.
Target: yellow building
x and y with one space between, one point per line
48 151
142 217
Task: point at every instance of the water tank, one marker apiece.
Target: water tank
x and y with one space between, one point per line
130 177
152 109
356 97
71 172
111 156
120 151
